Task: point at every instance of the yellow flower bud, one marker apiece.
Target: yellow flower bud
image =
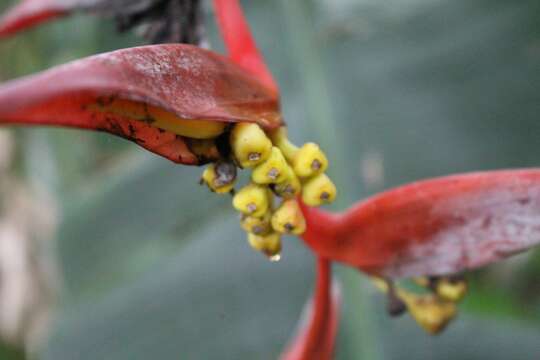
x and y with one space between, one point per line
288 218
273 170
250 144
269 244
319 190
451 290
309 160
430 312
290 187
219 177
252 200
256 225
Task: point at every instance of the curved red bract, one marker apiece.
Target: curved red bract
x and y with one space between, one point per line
433 227
190 82
316 336
239 41
30 13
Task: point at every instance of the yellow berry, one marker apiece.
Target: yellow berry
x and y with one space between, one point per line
256 225
318 190
273 170
309 160
252 200
219 177
288 218
250 144
451 290
430 312
290 187
269 244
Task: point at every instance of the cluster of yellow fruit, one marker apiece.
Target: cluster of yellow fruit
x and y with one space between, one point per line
432 311
280 169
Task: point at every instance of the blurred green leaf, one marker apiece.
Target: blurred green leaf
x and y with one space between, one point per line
216 299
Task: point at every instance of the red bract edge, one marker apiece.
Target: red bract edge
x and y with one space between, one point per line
316 336
29 13
188 81
239 41
433 227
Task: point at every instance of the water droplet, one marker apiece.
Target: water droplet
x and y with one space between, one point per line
275 258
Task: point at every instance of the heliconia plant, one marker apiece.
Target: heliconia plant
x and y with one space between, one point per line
194 107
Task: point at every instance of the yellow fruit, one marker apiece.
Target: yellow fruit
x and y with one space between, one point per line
451 290
163 119
430 312
269 244
288 218
309 161
290 187
273 170
196 128
217 180
252 200
279 138
250 144
318 190
256 225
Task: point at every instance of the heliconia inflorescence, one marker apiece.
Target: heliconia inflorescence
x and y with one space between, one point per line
196 107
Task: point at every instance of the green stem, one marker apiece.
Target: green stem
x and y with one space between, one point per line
361 331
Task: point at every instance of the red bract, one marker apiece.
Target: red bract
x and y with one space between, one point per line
316 335
187 81
33 12
239 41
433 227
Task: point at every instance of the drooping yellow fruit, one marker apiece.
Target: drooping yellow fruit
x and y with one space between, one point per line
309 161
290 187
430 312
253 200
288 218
256 225
273 170
269 244
280 139
250 145
217 181
318 190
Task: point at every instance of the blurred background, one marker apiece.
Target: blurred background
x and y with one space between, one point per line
109 252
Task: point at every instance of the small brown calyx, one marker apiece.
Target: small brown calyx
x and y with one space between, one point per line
225 173
251 207
273 173
254 156
288 227
316 165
